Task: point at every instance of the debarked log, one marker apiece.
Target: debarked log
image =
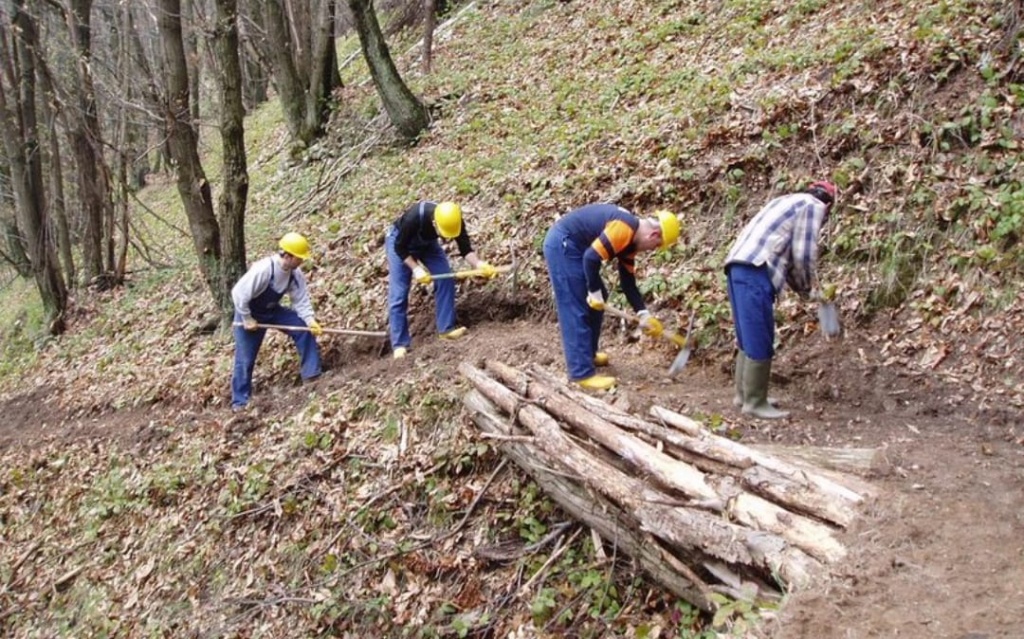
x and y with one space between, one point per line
688 529
706 513
590 509
837 502
715 492
794 484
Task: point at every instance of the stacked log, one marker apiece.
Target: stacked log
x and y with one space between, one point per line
700 512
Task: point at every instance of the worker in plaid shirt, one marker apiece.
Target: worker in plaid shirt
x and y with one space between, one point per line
778 247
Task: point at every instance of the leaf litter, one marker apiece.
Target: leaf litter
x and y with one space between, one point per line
133 503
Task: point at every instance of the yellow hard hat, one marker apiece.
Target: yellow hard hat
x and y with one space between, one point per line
295 244
670 228
448 217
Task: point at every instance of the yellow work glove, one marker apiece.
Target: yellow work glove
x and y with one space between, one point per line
421 275
595 300
487 270
249 324
650 324
315 328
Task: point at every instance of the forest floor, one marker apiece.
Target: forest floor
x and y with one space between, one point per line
940 552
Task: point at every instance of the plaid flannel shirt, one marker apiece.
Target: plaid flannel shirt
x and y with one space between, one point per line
784 237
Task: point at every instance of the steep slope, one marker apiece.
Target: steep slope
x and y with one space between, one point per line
137 504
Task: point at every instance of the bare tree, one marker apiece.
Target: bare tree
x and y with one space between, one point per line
192 18
256 68
236 176
86 141
304 60
152 93
193 186
51 108
18 127
409 116
13 252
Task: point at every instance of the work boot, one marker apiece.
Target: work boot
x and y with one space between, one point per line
741 362
756 373
400 352
455 333
737 376
597 382
601 358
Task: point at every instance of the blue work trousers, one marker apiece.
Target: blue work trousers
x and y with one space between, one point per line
247 347
752 298
433 257
580 325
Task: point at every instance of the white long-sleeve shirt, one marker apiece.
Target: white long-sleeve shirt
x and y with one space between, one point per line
257 279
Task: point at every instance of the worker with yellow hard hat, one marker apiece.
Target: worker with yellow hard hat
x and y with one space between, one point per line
257 298
574 249
414 251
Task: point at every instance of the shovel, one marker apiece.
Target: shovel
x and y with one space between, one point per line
685 343
828 314
336 331
679 363
473 272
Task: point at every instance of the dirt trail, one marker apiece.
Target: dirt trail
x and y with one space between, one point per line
939 554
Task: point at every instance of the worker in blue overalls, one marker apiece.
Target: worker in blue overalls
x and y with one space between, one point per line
777 248
413 245
574 249
257 297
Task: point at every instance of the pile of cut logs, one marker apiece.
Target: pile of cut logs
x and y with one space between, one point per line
700 512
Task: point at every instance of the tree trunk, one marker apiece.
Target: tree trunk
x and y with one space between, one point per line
193 187
14 254
429 23
290 87
256 69
20 139
409 116
123 145
151 134
236 177
193 59
58 213
324 76
94 190
304 63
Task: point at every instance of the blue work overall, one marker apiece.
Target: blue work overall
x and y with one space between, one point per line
580 325
266 309
752 298
433 257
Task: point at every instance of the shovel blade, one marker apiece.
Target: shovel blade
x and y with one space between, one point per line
686 347
679 363
828 319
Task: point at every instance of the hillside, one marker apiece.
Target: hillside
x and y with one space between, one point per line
134 503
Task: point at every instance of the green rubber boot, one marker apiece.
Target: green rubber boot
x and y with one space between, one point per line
741 360
756 373
741 363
